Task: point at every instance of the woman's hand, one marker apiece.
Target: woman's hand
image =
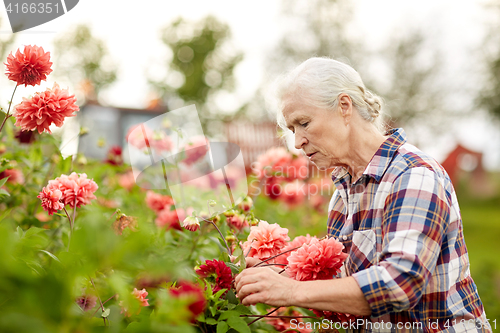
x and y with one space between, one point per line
264 285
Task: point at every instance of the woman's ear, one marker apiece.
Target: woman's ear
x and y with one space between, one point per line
345 106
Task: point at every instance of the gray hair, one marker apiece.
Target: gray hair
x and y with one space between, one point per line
319 81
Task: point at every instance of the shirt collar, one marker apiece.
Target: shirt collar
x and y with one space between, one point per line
379 162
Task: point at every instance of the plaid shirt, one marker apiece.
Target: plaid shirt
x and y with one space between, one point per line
400 224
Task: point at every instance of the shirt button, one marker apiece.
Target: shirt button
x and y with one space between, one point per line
344 237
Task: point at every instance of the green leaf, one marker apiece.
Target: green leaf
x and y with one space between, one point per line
4 192
219 294
243 309
106 312
222 327
3 180
20 232
238 324
51 255
231 297
229 314
33 231
211 321
234 269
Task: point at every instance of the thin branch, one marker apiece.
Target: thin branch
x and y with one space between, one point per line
99 298
267 314
270 258
8 110
220 233
283 317
106 301
70 226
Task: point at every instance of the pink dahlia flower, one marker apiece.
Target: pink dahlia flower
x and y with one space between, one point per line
275 160
86 302
297 242
142 137
161 142
141 296
297 169
318 260
217 273
15 176
237 221
127 180
51 200
76 189
44 109
30 67
195 149
139 136
158 202
171 218
265 240
293 193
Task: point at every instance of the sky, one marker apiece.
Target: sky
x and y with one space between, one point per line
131 32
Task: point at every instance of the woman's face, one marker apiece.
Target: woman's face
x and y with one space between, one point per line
322 134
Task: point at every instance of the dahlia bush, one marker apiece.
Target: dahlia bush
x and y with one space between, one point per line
88 248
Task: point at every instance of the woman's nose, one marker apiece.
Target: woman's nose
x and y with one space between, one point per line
300 141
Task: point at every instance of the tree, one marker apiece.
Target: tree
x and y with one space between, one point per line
409 82
412 93
489 95
201 66
84 59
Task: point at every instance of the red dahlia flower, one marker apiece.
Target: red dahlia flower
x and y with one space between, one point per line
318 260
114 156
30 67
192 292
44 109
216 271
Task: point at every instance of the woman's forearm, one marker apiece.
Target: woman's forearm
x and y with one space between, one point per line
337 295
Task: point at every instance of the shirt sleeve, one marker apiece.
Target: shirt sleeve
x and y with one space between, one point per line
416 217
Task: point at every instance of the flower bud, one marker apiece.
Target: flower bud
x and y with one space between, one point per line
229 213
246 204
212 203
191 223
101 142
84 130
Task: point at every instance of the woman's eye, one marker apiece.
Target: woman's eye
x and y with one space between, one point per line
304 124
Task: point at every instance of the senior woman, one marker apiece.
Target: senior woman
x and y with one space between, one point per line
395 211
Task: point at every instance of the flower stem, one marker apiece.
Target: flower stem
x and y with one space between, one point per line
270 258
220 233
106 301
8 110
259 318
70 227
99 298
